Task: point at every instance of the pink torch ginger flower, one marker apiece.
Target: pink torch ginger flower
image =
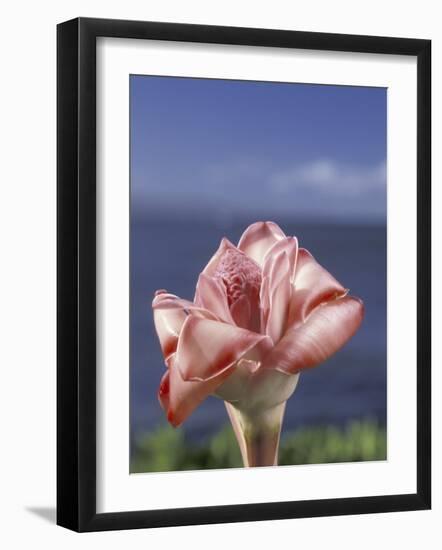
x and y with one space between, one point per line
263 312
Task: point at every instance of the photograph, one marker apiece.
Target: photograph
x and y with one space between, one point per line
217 228
258 274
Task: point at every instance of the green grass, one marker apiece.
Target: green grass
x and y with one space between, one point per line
166 448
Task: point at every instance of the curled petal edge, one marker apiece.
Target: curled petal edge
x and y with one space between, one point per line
327 329
170 313
314 286
179 398
207 348
258 238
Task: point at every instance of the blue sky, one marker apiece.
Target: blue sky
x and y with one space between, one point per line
224 148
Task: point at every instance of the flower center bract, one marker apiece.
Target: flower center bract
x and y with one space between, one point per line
241 277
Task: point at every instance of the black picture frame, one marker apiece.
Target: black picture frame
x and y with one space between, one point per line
76 273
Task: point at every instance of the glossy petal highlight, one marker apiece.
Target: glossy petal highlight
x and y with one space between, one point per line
179 398
258 238
207 348
289 245
313 286
169 313
277 299
325 331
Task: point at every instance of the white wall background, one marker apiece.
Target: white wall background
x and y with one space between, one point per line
27 274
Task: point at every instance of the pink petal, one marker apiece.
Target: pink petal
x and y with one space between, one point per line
276 291
289 245
164 389
179 398
280 291
313 286
258 238
169 313
325 331
166 301
241 313
211 295
264 298
206 348
210 268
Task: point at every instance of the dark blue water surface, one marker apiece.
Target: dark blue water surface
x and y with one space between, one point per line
351 385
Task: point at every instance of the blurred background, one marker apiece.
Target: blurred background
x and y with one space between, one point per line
209 157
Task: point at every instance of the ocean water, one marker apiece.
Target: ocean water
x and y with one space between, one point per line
349 386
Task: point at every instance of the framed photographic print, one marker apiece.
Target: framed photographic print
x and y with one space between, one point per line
243 274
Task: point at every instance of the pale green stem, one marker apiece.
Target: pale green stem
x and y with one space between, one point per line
258 434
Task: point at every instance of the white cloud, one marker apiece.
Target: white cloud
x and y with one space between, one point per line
331 178
321 189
